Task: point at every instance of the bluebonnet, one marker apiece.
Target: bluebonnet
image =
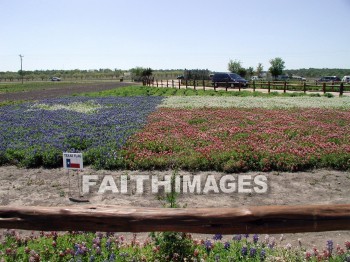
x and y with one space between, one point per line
227 245
330 246
244 251
255 238
34 129
217 237
208 245
252 252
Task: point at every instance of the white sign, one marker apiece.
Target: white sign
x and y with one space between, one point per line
73 161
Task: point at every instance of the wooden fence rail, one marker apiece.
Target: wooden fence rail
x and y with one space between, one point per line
269 85
263 219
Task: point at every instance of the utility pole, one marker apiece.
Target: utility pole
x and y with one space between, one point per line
21 56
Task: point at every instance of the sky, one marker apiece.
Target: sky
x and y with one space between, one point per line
163 34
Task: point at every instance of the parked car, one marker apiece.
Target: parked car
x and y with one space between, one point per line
282 78
55 78
254 78
346 79
328 79
299 78
230 79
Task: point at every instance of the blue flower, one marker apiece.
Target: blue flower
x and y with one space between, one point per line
330 246
255 238
244 251
217 237
227 245
208 245
252 252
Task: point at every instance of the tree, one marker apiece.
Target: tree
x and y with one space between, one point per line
259 69
277 66
250 71
234 66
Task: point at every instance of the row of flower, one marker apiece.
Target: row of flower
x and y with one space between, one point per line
269 102
206 138
169 246
241 139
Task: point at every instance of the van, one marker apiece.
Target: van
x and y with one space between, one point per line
229 80
346 79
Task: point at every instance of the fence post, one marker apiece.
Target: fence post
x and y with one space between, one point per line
226 85
253 85
161 83
304 87
268 87
332 86
172 83
180 84
284 86
157 82
167 83
194 84
186 83
324 88
214 87
203 85
239 86
341 90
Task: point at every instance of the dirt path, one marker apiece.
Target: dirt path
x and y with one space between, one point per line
43 187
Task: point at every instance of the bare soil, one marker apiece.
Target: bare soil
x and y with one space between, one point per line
52 187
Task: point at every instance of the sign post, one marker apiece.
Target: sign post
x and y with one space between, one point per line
74 161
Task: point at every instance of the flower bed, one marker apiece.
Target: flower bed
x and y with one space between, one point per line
35 134
85 246
238 139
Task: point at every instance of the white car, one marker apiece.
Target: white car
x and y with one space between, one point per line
346 79
55 79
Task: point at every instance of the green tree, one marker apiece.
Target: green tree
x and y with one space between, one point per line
277 66
234 66
250 71
259 69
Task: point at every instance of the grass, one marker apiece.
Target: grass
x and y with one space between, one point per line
166 91
19 87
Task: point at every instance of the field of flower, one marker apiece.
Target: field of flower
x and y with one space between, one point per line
36 133
84 246
231 134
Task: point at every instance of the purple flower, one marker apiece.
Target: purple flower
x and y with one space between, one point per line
252 252
255 238
330 246
262 254
208 245
244 251
227 245
217 237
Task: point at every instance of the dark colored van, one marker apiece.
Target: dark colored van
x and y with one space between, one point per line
228 80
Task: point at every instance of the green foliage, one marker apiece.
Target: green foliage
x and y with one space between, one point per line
234 66
167 91
277 66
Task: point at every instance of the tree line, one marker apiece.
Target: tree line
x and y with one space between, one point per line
136 74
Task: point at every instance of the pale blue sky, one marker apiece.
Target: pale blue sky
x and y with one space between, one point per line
161 34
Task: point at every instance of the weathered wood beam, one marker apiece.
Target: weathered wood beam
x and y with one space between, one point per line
262 219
